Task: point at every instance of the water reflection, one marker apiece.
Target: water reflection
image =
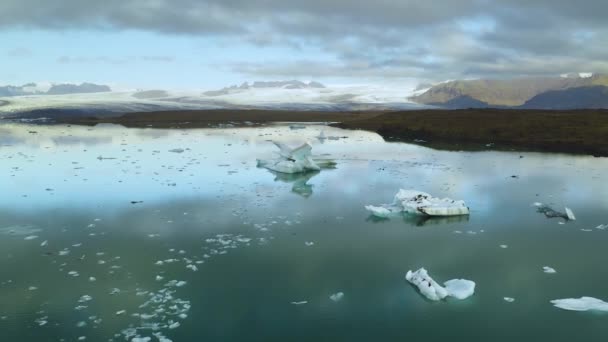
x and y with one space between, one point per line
299 181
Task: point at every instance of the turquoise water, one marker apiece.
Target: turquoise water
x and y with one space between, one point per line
107 235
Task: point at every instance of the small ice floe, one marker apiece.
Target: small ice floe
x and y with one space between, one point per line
44 243
309 243
31 237
509 299
548 269
121 312
19 230
504 246
295 160
581 304
300 302
418 202
85 299
92 279
336 297
73 273
457 288
177 150
602 227
550 212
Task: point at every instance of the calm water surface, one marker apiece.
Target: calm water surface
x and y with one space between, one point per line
106 234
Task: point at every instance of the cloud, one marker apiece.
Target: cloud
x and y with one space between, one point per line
19 52
432 39
113 60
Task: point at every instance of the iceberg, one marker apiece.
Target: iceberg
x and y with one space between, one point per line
581 304
457 288
421 203
295 160
550 212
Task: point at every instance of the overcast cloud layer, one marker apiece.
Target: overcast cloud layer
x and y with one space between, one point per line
430 39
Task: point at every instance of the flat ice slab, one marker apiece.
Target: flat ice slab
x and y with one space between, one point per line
295 160
457 288
581 304
421 203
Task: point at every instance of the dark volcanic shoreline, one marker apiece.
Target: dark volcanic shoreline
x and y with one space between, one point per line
571 131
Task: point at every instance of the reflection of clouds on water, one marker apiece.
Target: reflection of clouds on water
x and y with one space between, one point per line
80 140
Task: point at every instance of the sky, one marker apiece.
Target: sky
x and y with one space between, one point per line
193 44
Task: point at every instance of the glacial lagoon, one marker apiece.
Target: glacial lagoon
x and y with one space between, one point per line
116 234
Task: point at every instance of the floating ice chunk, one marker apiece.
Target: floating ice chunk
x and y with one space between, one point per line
418 202
460 288
427 286
382 212
141 339
121 312
509 299
550 212
44 243
174 325
295 160
300 302
457 288
570 214
504 246
309 243
602 226
581 304
31 237
177 150
85 299
336 297
548 269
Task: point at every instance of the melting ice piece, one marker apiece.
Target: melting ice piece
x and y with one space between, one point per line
457 288
418 202
295 160
509 299
550 212
300 303
460 288
548 269
336 297
427 286
581 304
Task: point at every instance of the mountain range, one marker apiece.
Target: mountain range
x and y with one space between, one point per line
55 89
571 91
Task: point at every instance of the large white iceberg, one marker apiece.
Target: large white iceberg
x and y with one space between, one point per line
457 288
295 160
581 304
418 202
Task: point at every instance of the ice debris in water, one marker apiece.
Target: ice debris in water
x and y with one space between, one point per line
460 288
300 303
550 213
336 297
418 202
457 288
581 304
548 269
509 299
295 160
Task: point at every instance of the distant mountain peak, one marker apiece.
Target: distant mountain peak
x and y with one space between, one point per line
292 84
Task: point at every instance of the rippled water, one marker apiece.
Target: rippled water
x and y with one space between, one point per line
107 235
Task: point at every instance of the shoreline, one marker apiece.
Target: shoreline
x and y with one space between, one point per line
567 131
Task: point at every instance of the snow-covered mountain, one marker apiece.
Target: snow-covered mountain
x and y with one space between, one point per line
265 95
